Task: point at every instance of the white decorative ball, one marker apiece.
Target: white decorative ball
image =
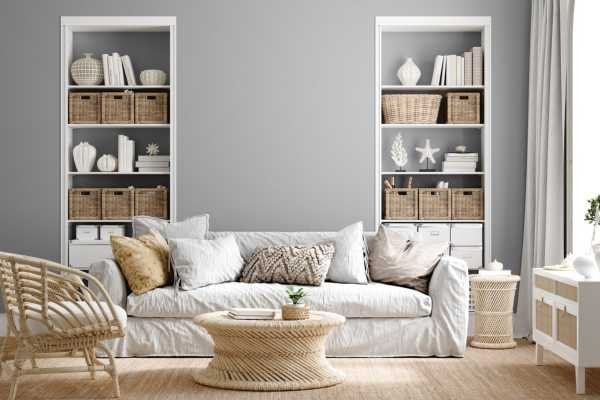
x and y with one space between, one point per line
87 70
107 163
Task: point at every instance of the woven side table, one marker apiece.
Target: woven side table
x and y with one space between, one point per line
494 297
270 355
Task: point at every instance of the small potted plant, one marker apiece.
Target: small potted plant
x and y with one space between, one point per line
297 309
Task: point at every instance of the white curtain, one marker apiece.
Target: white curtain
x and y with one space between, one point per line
549 85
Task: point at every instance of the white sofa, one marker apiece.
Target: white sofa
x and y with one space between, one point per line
382 320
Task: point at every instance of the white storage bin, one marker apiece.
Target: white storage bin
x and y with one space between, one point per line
435 232
409 230
86 232
466 234
106 231
82 255
473 256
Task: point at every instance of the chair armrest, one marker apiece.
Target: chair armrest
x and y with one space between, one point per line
449 292
109 274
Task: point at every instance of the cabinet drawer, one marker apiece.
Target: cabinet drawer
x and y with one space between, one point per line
543 317
566 328
544 283
435 232
473 256
82 255
467 234
566 291
409 231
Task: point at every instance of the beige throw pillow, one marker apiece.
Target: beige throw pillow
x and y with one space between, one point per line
299 265
403 262
144 261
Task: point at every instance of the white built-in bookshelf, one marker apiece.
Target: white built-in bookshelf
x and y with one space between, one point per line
423 38
150 42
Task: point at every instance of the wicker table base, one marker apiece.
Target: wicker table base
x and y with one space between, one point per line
273 355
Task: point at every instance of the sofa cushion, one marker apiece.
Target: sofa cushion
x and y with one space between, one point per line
374 300
298 265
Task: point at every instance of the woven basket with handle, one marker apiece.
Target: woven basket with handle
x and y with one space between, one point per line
410 108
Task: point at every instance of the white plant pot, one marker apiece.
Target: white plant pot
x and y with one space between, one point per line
84 156
409 73
107 163
586 266
153 77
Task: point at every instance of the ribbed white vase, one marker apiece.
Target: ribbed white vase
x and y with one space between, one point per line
409 73
84 155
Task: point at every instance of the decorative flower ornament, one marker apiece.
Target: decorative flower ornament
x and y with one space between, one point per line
152 149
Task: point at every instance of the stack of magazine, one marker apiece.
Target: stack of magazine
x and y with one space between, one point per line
153 163
251 313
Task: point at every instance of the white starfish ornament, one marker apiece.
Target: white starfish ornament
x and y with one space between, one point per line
427 152
152 149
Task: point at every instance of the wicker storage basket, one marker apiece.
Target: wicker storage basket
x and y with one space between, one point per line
117 107
467 203
84 108
401 204
85 203
117 203
289 312
410 108
151 202
463 108
434 203
151 108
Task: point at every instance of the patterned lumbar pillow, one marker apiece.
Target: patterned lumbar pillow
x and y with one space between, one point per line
300 265
144 261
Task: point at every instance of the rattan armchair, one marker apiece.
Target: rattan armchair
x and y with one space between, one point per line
52 313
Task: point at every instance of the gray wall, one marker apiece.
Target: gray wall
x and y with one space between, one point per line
275 112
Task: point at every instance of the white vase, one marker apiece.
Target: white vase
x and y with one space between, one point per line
409 73
87 70
84 155
153 77
586 266
107 163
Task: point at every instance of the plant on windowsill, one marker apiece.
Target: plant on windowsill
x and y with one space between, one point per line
297 309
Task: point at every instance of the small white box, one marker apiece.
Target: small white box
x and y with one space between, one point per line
86 232
106 231
408 230
435 232
466 234
82 255
473 256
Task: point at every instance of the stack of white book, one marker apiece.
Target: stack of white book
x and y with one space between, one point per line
460 162
153 163
251 313
116 69
455 70
125 153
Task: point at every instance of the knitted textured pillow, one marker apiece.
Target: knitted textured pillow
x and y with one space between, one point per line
299 265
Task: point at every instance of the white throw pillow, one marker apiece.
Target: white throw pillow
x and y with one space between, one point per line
199 263
348 264
194 227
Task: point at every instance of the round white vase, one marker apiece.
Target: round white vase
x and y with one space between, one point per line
84 155
87 70
107 163
409 73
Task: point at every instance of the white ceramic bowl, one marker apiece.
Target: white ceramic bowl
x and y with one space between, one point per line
153 77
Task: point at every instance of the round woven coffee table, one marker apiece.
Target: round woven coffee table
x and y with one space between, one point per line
269 355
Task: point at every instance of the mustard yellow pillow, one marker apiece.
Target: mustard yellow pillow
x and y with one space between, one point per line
144 261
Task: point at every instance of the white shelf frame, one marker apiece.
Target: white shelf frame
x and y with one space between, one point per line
482 25
70 25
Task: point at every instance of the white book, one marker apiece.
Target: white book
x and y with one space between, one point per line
165 157
451 70
130 154
252 311
153 169
160 164
437 70
461 71
105 70
443 74
119 69
121 152
468 68
477 66
128 68
249 317
114 75
110 70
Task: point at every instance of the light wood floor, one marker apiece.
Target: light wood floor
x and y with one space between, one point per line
481 375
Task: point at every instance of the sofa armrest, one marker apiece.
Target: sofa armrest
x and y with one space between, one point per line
109 274
449 292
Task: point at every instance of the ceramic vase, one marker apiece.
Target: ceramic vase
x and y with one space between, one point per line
107 163
87 70
409 73
84 155
153 77
586 266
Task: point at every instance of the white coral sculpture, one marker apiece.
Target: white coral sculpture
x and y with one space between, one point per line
152 149
398 152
